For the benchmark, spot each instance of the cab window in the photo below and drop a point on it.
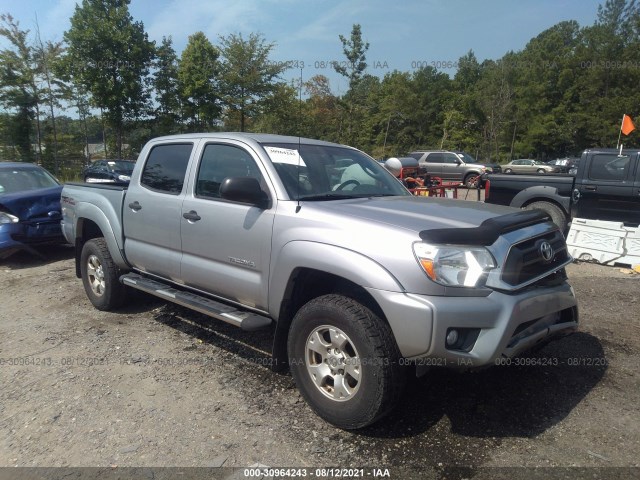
(220, 162)
(166, 167)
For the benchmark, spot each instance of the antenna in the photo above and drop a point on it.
(299, 141)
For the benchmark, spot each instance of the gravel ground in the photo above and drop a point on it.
(158, 385)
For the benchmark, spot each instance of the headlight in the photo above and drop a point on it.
(8, 218)
(453, 265)
(124, 178)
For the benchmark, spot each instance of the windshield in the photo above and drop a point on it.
(120, 166)
(21, 179)
(325, 172)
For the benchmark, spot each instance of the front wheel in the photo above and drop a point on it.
(100, 276)
(508, 170)
(345, 361)
(541, 170)
(472, 181)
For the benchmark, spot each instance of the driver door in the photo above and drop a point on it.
(226, 246)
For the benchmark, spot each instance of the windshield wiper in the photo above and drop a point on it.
(328, 196)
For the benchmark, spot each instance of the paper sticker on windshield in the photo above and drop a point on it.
(285, 155)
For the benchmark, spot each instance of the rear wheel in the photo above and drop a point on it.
(100, 276)
(555, 212)
(344, 361)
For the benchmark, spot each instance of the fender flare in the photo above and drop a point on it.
(111, 233)
(544, 193)
(339, 261)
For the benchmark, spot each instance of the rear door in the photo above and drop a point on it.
(433, 164)
(609, 189)
(527, 166)
(152, 211)
(226, 245)
(451, 169)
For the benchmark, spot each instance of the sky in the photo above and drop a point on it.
(403, 34)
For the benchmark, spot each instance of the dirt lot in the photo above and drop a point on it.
(158, 385)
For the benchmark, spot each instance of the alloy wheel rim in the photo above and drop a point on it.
(95, 274)
(333, 363)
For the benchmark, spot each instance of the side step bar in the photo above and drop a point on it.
(248, 321)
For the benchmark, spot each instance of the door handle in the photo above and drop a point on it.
(135, 206)
(192, 216)
(592, 188)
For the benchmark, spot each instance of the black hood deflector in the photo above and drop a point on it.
(487, 232)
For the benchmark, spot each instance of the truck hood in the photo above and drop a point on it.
(32, 204)
(413, 213)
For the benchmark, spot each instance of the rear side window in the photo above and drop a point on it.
(166, 167)
(434, 158)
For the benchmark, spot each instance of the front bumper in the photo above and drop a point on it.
(24, 235)
(496, 326)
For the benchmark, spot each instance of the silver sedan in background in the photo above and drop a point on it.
(526, 165)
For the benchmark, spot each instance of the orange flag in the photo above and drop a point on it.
(627, 125)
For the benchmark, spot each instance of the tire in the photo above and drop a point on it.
(100, 276)
(555, 212)
(541, 170)
(472, 181)
(334, 331)
(508, 170)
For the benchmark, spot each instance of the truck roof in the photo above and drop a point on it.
(257, 137)
(611, 150)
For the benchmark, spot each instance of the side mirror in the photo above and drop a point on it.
(244, 190)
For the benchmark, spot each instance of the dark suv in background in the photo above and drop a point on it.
(451, 166)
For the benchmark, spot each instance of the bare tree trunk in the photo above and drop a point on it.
(45, 69)
(104, 135)
(38, 133)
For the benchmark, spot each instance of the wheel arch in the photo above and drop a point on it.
(92, 223)
(327, 269)
(541, 193)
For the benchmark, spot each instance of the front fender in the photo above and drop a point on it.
(111, 231)
(348, 264)
(540, 192)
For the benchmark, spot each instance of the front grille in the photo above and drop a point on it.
(526, 263)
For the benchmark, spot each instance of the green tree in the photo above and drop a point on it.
(18, 86)
(352, 103)
(283, 113)
(434, 92)
(48, 55)
(322, 109)
(248, 76)
(109, 54)
(166, 86)
(198, 73)
(355, 50)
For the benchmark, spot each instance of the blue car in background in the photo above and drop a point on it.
(29, 208)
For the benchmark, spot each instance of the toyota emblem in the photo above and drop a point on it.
(546, 251)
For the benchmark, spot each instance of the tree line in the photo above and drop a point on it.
(106, 82)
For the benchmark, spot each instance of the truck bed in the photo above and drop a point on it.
(504, 187)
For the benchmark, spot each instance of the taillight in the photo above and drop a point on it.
(487, 187)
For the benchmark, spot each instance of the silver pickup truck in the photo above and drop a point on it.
(356, 277)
